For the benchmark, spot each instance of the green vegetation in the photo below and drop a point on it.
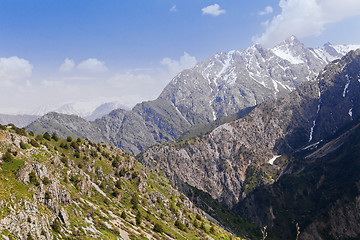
(125, 191)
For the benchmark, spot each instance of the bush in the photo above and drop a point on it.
(158, 228)
(2, 127)
(46, 181)
(123, 215)
(31, 133)
(34, 143)
(47, 136)
(69, 139)
(74, 145)
(22, 145)
(55, 136)
(47, 195)
(56, 225)
(138, 218)
(7, 156)
(180, 225)
(20, 131)
(39, 137)
(33, 179)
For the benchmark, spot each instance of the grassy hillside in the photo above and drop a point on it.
(53, 188)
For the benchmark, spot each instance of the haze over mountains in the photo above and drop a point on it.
(220, 86)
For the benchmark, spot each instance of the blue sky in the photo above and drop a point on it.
(128, 50)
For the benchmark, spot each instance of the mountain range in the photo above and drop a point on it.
(86, 110)
(290, 160)
(258, 137)
(218, 87)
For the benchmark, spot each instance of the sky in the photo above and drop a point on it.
(63, 51)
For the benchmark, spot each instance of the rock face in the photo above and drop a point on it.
(218, 162)
(220, 86)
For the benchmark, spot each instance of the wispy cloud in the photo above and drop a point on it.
(304, 18)
(213, 10)
(67, 65)
(267, 10)
(175, 66)
(14, 68)
(92, 65)
(173, 8)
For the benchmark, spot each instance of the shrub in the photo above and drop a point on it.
(158, 228)
(20, 131)
(2, 127)
(33, 179)
(123, 215)
(74, 145)
(47, 195)
(47, 136)
(118, 184)
(31, 133)
(56, 225)
(180, 225)
(46, 181)
(7, 156)
(138, 218)
(34, 143)
(55, 136)
(69, 139)
(39, 137)
(22, 145)
(116, 192)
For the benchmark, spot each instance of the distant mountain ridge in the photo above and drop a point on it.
(87, 110)
(220, 86)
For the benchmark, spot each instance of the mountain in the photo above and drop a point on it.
(90, 110)
(220, 86)
(319, 190)
(53, 188)
(20, 120)
(236, 157)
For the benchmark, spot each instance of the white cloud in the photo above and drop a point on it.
(213, 10)
(267, 10)
(304, 18)
(92, 65)
(186, 61)
(14, 68)
(67, 65)
(128, 79)
(173, 8)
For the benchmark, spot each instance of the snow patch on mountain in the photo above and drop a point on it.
(287, 55)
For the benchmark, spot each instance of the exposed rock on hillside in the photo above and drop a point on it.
(54, 188)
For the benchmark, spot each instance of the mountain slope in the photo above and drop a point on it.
(231, 160)
(53, 188)
(220, 86)
(319, 190)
